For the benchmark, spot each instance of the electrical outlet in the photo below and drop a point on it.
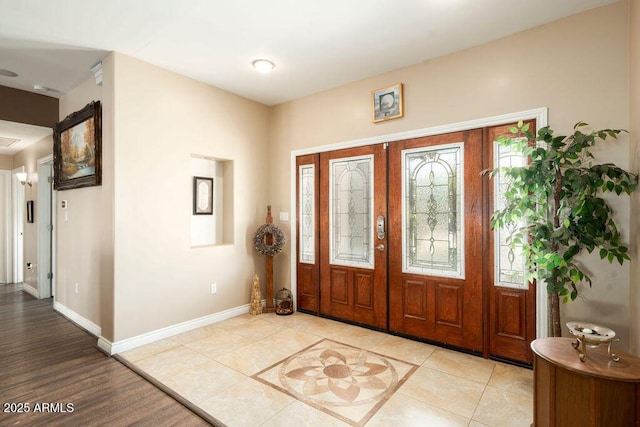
(76, 288)
(214, 288)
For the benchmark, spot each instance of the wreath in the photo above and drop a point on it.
(279, 240)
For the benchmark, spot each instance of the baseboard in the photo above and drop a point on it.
(83, 322)
(112, 348)
(31, 290)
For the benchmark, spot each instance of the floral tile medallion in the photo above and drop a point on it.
(346, 382)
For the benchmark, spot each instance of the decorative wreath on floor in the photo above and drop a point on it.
(279, 240)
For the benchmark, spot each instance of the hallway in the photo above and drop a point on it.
(53, 366)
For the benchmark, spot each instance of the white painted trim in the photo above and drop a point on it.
(133, 342)
(44, 194)
(30, 290)
(17, 197)
(8, 247)
(81, 321)
(539, 114)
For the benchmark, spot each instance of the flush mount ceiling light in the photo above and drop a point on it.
(263, 65)
(44, 89)
(7, 73)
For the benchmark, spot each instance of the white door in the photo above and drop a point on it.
(45, 227)
(5, 226)
(18, 227)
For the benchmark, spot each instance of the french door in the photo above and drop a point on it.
(396, 237)
(353, 253)
(435, 257)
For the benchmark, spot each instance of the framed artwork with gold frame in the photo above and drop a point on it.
(387, 103)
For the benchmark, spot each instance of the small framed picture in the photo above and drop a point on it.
(202, 195)
(387, 103)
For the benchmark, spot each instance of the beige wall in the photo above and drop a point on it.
(78, 237)
(577, 67)
(160, 120)
(6, 162)
(29, 159)
(634, 96)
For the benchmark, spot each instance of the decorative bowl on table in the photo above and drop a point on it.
(589, 334)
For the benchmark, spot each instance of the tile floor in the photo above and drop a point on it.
(270, 370)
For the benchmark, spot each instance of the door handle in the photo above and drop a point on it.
(380, 247)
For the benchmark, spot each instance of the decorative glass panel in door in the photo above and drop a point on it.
(433, 211)
(307, 209)
(353, 254)
(509, 261)
(350, 211)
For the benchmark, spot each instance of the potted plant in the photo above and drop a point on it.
(556, 205)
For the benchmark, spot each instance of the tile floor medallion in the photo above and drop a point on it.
(346, 382)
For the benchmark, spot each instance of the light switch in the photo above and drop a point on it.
(284, 216)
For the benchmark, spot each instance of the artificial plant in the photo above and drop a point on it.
(555, 205)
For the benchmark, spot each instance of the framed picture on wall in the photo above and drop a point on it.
(202, 195)
(387, 103)
(30, 211)
(77, 149)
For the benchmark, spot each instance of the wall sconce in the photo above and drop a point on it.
(22, 177)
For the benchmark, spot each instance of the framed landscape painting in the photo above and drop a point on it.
(77, 149)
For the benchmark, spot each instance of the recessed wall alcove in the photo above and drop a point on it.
(217, 228)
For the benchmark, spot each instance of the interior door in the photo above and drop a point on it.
(435, 249)
(353, 238)
(5, 217)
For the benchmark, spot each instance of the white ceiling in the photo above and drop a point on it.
(315, 44)
(25, 135)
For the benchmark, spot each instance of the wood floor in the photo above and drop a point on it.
(46, 359)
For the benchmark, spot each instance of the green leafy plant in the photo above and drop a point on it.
(555, 208)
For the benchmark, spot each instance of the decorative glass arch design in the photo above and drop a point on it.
(433, 210)
(351, 211)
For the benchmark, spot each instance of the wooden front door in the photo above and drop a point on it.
(435, 246)
(399, 238)
(353, 253)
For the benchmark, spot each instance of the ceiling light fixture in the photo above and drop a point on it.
(263, 65)
(7, 73)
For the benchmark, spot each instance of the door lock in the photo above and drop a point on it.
(380, 228)
(380, 247)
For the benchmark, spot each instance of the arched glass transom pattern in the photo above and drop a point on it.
(351, 207)
(433, 210)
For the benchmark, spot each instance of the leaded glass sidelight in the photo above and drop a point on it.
(307, 209)
(509, 261)
(350, 211)
(433, 210)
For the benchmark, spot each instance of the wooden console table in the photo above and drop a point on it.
(596, 392)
